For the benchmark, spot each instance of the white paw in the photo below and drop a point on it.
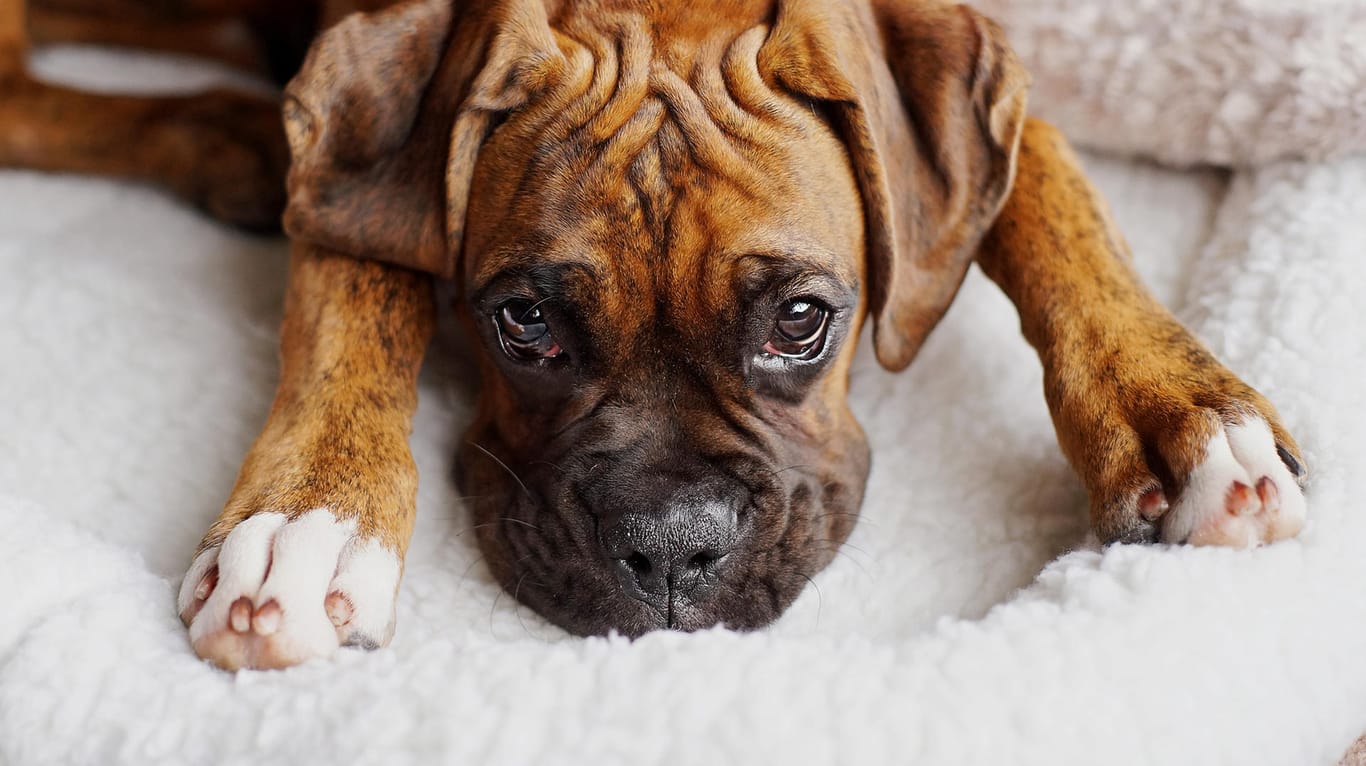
(1240, 495)
(278, 592)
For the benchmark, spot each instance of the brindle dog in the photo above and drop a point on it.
(667, 224)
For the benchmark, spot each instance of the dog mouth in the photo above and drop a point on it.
(688, 554)
(592, 597)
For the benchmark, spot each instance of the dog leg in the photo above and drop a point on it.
(1171, 445)
(165, 10)
(13, 40)
(262, 39)
(307, 554)
(228, 41)
(223, 151)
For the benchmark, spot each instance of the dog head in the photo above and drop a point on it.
(667, 228)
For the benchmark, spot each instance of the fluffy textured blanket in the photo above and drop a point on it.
(138, 347)
(1233, 82)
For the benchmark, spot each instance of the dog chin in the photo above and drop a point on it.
(634, 619)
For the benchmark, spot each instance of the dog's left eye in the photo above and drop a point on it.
(523, 332)
(799, 329)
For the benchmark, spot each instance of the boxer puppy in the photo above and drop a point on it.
(666, 231)
(666, 228)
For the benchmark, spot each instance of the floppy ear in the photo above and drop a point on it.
(931, 101)
(385, 119)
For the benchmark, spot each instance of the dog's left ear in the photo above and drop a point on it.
(931, 101)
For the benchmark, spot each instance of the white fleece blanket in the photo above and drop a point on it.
(137, 361)
(1233, 82)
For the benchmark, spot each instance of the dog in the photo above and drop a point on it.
(666, 225)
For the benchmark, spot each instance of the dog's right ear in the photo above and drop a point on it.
(386, 116)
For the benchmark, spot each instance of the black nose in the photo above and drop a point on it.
(676, 549)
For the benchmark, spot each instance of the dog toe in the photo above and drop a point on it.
(1242, 493)
(282, 591)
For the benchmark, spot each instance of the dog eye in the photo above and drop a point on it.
(799, 329)
(523, 332)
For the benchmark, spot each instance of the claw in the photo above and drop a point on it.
(339, 608)
(1269, 495)
(239, 615)
(267, 619)
(1241, 499)
(206, 584)
(1290, 461)
(1152, 505)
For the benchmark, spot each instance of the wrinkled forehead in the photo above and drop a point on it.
(652, 165)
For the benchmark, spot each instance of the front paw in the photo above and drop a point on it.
(279, 591)
(1204, 479)
(1241, 494)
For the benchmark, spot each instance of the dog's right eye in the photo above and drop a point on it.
(799, 330)
(523, 332)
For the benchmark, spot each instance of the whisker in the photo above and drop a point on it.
(523, 523)
(474, 527)
(466, 498)
(511, 473)
(820, 597)
(518, 603)
(466, 573)
(461, 513)
(782, 470)
(854, 547)
(862, 519)
(838, 551)
(547, 462)
(498, 521)
(494, 608)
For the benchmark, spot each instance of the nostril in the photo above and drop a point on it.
(639, 564)
(703, 559)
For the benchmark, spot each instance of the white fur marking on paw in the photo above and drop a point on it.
(243, 560)
(368, 576)
(305, 559)
(1255, 447)
(1225, 501)
(1205, 490)
(286, 570)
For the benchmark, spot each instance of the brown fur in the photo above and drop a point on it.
(13, 38)
(221, 151)
(1134, 396)
(351, 345)
(661, 172)
(218, 39)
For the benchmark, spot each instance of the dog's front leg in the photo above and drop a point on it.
(1171, 445)
(308, 552)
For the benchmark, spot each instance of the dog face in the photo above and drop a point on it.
(666, 319)
(667, 233)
